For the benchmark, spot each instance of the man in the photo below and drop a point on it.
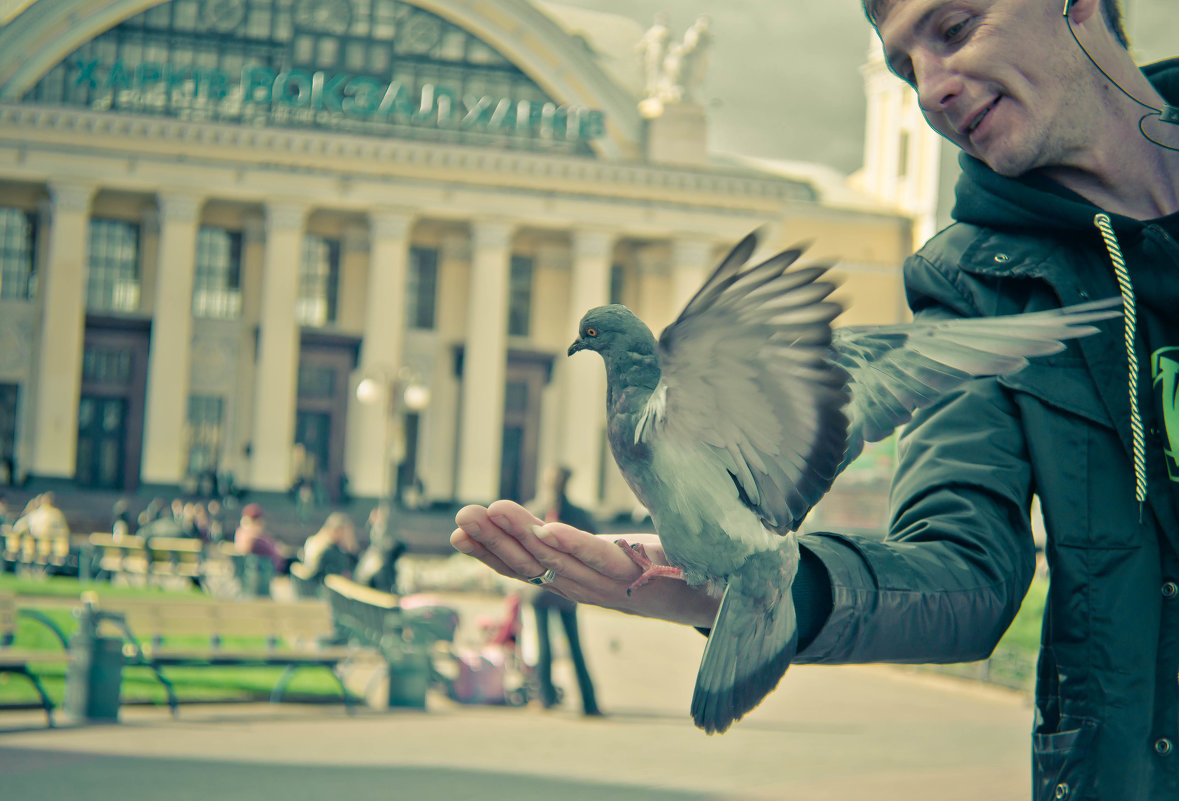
(554, 506)
(1070, 191)
(45, 522)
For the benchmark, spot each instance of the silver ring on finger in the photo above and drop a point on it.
(544, 578)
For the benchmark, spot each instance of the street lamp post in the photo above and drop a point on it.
(403, 392)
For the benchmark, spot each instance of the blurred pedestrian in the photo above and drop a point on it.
(332, 550)
(121, 518)
(252, 537)
(153, 511)
(553, 505)
(377, 567)
(46, 523)
(216, 521)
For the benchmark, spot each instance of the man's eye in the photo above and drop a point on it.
(954, 32)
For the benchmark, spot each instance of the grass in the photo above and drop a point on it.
(139, 684)
(1012, 664)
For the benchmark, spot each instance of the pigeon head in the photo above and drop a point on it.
(612, 329)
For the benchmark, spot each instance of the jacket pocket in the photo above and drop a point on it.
(1081, 468)
(1061, 763)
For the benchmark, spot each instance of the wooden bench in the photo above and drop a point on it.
(176, 557)
(291, 635)
(24, 551)
(120, 556)
(14, 659)
(148, 559)
(406, 637)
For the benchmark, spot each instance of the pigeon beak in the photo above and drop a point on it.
(578, 344)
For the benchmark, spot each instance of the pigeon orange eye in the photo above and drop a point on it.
(591, 332)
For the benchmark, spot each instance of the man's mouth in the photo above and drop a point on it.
(978, 118)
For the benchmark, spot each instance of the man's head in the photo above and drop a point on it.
(1003, 79)
(875, 9)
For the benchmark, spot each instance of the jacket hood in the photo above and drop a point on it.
(988, 199)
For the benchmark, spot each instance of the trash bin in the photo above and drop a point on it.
(409, 678)
(94, 675)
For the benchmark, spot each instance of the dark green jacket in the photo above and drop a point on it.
(959, 556)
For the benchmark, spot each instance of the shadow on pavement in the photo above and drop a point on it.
(44, 774)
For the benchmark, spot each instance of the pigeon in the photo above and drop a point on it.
(733, 424)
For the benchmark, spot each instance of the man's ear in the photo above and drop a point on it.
(1079, 11)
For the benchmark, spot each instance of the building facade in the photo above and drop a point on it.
(350, 241)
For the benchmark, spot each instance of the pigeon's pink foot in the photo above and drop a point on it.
(638, 555)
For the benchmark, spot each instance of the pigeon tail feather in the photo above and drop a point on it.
(752, 642)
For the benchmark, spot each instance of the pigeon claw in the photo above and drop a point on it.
(638, 555)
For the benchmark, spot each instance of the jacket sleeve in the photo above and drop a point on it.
(949, 577)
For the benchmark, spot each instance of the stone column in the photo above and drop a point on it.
(371, 440)
(277, 365)
(653, 299)
(582, 377)
(438, 468)
(169, 357)
(481, 416)
(63, 322)
(691, 263)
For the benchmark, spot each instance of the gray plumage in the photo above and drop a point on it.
(734, 424)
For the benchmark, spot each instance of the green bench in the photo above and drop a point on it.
(18, 660)
(291, 635)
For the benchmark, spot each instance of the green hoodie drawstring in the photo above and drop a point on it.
(1130, 318)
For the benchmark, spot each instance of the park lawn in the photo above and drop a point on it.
(1024, 633)
(139, 683)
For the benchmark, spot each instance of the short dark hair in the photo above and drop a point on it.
(1113, 16)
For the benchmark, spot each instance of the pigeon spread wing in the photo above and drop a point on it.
(746, 381)
(897, 369)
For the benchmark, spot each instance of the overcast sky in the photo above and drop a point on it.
(784, 75)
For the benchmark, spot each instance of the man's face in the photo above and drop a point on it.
(995, 77)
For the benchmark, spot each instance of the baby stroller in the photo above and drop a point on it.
(495, 672)
(434, 625)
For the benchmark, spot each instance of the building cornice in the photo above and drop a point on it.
(354, 157)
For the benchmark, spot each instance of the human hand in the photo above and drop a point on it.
(590, 568)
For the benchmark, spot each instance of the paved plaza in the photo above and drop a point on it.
(882, 733)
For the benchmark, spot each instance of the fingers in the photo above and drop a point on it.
(462, 542)
(598, 553)
(490, 538)
(504, 537)
(590, 568)
(575, 569)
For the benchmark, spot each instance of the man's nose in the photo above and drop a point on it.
(937, 83)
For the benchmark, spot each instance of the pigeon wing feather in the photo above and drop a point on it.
(895, 370)
(747, 383)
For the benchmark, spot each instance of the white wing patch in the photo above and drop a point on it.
(653, 415)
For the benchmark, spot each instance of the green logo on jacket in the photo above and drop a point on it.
(1164, 368)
